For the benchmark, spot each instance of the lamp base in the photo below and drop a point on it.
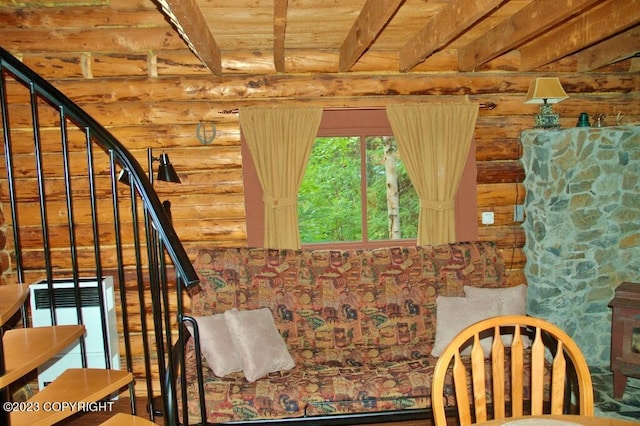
(547, 119)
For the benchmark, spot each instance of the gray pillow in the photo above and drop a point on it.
(513, 300)
(216, 344)
(454, 314)
(258, 343)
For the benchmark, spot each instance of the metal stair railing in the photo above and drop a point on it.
(64, 165)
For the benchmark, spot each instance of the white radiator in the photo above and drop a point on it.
(66, 314)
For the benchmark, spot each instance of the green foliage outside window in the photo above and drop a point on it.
(330, 201)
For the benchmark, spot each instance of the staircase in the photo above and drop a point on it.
(64, 214)
(77, 389)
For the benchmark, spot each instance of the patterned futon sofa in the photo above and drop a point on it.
(359, 324)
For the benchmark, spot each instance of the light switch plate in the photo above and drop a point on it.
(487, 218)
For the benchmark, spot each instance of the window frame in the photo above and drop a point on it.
(360, 122)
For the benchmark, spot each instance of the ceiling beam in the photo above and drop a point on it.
(597, 24)
(279, 31)
(615, 49)
(192, 27)
(452, 20)
(523, 26)
(373, 17)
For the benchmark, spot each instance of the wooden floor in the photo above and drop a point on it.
(123, 406)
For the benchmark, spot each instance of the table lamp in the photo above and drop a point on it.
(546, 91)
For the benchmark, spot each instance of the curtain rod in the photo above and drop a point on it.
(483, 105)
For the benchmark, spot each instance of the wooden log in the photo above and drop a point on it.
(219, 231)
(231, 233)
(169, 136)
(500, 194)
(499, 172)
(81, 39)
(505, 236)
(302, 89)
(488, 149)
(516, 277)
(514, 257)
(226, 165)
(67, 17)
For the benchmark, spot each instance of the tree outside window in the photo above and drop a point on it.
(356, 189)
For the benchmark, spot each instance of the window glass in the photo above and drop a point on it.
(392, 203)
(329, 207)
(356, 189)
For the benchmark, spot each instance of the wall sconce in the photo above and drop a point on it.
(166, 172)
(546, 91)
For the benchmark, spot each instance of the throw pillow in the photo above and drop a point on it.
(216, 344)
(258, 343)
(513, 300)
(454, 314)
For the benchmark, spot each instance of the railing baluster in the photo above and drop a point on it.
(72, 232)
(44, 222)
(120, 270)
(96, 247)
(158, 233)
(8, 158)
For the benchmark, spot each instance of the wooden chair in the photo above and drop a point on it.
(548, 344)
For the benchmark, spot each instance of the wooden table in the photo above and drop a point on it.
(581, 420)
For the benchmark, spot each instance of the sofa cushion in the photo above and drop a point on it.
(319, 390)
(258, 343)
(313, 390)
(346, 299)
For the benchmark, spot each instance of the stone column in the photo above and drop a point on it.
(582, 227)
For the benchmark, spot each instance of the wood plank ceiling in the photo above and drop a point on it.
(411, 35)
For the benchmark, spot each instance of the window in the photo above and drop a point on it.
(356, 189)
(343, 137)
(343, 197)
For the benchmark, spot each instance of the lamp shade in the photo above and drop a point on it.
(166, 172)
(123, 177)
(545, 90)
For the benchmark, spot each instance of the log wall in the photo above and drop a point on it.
(125, 65)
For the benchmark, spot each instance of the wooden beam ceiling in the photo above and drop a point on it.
(451, 21)
(618, 48)
(187, 17)
(523, 26)
(366, 35)
(372, 19)
(603, 21)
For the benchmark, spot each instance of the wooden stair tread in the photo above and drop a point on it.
(27, 348)
(124, 419)
(74, 385)
(12, 297)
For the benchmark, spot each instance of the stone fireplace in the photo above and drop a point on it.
(582, 227)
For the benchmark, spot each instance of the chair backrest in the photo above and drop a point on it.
(551, 351)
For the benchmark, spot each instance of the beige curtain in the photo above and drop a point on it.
(280, 142)
(434, 142)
